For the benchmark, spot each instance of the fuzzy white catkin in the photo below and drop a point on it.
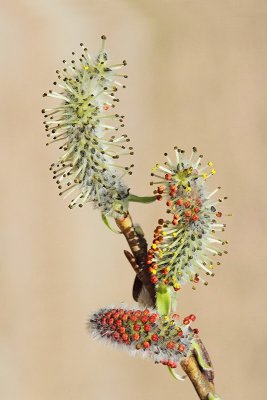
(84, 124)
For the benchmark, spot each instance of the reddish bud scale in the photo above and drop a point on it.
(163, 341)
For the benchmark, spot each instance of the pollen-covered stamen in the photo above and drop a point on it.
(185, 245)
(85, 125)
(145, 332)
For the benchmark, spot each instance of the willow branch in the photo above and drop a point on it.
(201, 378)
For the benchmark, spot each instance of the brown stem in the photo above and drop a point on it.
(201, 379)
(202, 385)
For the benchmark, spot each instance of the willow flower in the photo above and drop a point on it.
(144, 332)
(87, 129)
(187, 244)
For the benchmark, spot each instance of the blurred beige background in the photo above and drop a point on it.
(197, 76)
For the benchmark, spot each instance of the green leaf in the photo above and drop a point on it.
(213, 397)
(175, 375)
(163, 300)
(141, 199)
(200, 359)
(107, 223)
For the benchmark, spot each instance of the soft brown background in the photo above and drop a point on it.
(197, 76)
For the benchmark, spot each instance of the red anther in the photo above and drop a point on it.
(122, 329)
(164, 271)
(154, 279)
(146, 344)
(218, 214)
(195, 217)
(116, 315)
(133, 318)
(187, 204)
(138, 313)
(125, 317)
(136, 336)
(196, 279)
(166, 281)
(125, 337)
(174, 365)
(179, 202)
(149, 261)
(155, 265)
(164, 362)
(168, 203)
(146, 312)
(175, 216)
(170, 345)
(196, 209)
(119, 322)
(180, 333)
(192, 317)
(174, 222)
(175, 316)
(108, 315)
(181, 347)
(196, 331)
(116, 335)
(153, 318)
(121, 312)
(168, 177)
(159, 197)
(186, 321)
(154, 337)
(173, 188)
(161, 189)
(147, 328)
(106, 107)
(144, 319)
(136, 327)
(111, 321)
(188, 213)
(104, 321)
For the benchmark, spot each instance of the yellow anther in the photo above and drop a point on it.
(173, 278)
(205, 175)
(181, 240)
(166, 318)
(85, 67)
(168, 269)
(211, 266)
(188, 189)
(176, 286)
(153, 271)
(174, 234)
(210, 163)
(213, 171)
(154, 246)
(164, 233)
(172, 322)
